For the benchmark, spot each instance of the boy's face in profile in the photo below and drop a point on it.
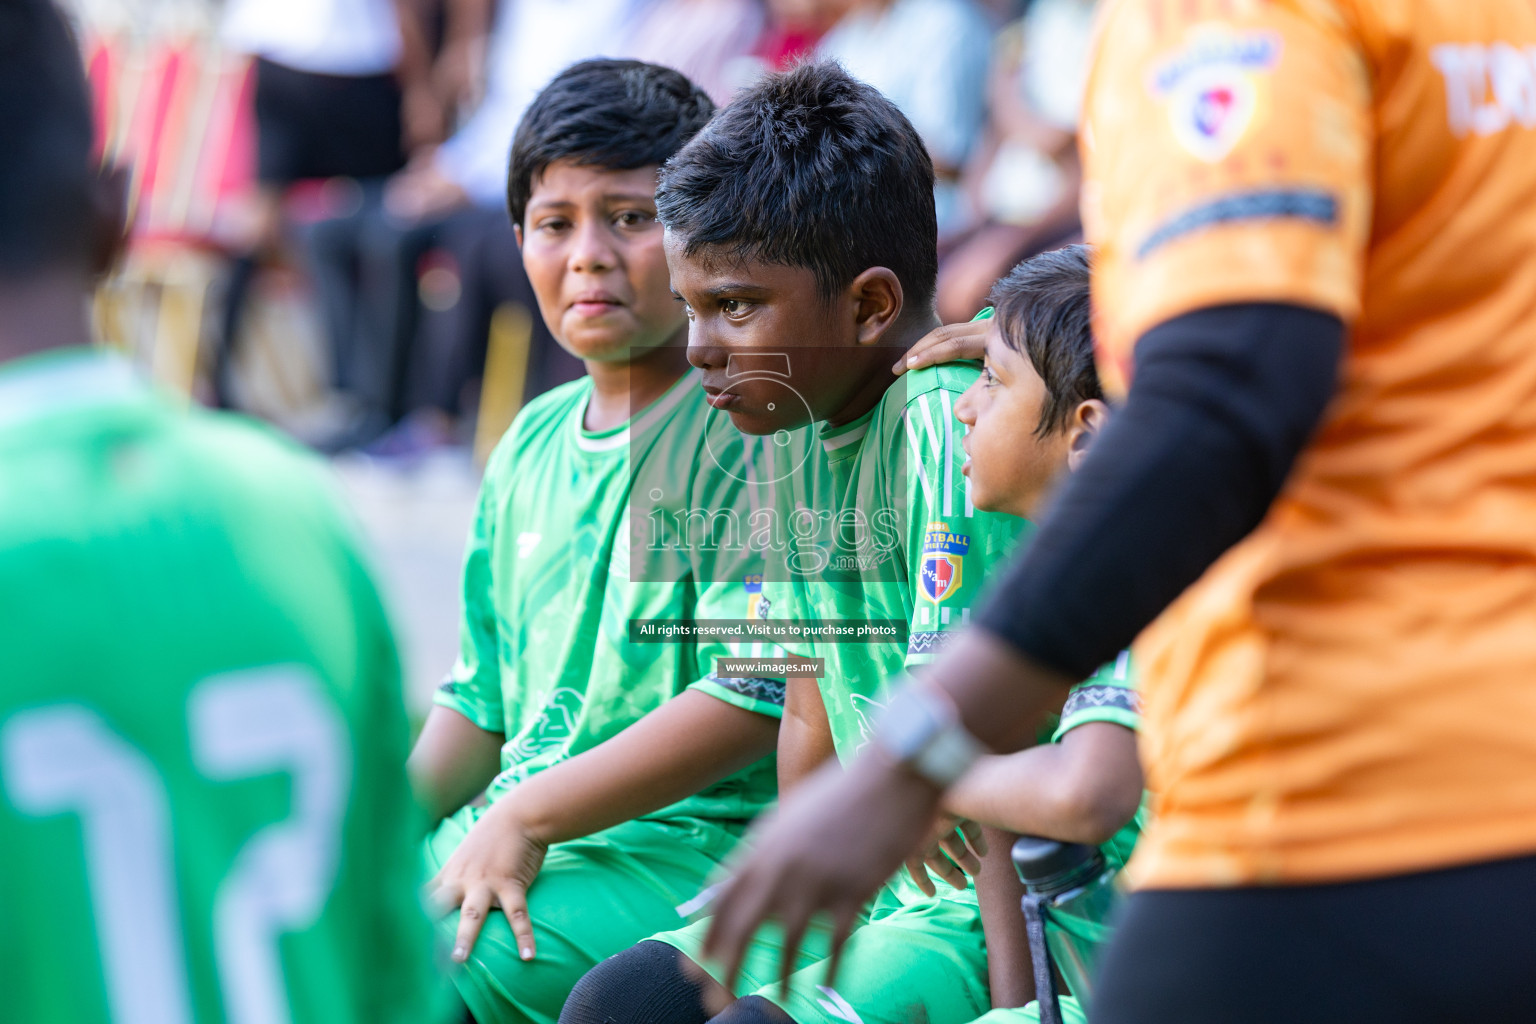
(593, 251)
(775, 354)
(1010, 466)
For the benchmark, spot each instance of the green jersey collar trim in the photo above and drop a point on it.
(618, 437)
(834, 438)
(52, 382)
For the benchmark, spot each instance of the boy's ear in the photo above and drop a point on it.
(1087, 420)
(877, 300)
(517, 233)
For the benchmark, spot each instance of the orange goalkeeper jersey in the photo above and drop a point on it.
(1351, 691)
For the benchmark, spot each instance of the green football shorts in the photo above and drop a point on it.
(594, 897)
(1071, 1013)
(917, 961)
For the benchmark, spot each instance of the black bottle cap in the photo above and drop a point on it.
(1046, 865)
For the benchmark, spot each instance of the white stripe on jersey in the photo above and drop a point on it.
(917, 457)
(837, 1007)
(930, 429)
(949, 447)
(832, 444)
(688, 908)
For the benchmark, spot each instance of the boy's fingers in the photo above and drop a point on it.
(741, 907)
(918, 354)
(975, 836)
(443, 897)
(946, 345)
(946, 869)
(917, 867)
(514, 904)
(939, 352)
(954, 845)
(925, 354)
(477, 903)
(796, 920)
(843, 917)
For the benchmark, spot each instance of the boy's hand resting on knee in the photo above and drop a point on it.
(692, 741)
(493, 867)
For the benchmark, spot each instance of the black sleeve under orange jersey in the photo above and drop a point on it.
(1225, 399)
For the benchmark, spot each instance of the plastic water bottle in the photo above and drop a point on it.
(1069, 901)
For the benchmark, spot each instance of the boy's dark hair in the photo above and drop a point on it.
(614, 114)
(47, 175)
(810, 168)
(1042, 312)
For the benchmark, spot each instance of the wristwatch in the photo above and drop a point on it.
(921, 730)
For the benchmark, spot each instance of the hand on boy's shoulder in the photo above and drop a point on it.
(948, 344)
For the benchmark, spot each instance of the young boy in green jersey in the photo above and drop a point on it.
(203, 809)
(920, 956)
(617, 773)
(1039, 382)
(800, 225)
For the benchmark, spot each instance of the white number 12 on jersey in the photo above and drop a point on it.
(65, 758)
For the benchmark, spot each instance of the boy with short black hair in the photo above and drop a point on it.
(203, 814)
(800, 223)
(618, 773)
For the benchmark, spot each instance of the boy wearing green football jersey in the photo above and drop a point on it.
(1038, 381)
(800, 224)
(617, 773)
(203, 809)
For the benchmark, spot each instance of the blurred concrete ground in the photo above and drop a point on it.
(415, 518)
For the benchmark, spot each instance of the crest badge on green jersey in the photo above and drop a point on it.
(757, 605)
(943, 560)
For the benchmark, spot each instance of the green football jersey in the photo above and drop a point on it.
(902, 541)
(918, 551)
(203, 804)
(579, 534)
(924, 559)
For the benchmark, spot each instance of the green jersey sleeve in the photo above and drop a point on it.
(1109, 695)
(951, 546)
(473, 686)
(737, 599)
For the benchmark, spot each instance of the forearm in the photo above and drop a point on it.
(999, 892)
(689, 743)
(1013, 791)
(452, 761)
(415, 64)
(466, 20)
(1081, 790)
(1224, 401)
(805, 737)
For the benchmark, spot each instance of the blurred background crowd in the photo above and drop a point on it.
(318, 190)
